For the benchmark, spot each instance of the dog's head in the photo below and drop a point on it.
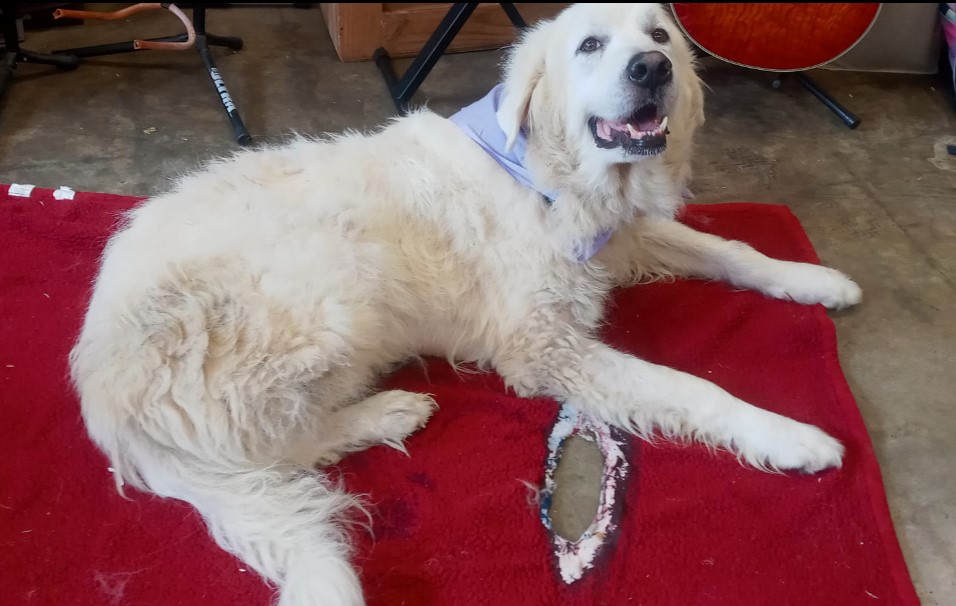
(607, 84)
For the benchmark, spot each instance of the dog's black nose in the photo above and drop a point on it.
(649, 70)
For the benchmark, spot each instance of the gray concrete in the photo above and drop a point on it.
(879, 202)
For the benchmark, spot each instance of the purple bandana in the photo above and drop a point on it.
(479, 121)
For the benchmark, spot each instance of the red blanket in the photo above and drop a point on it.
(456, 522)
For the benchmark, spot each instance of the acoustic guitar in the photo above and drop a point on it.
(779, 37)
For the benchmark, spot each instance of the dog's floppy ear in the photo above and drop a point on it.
(523, 72)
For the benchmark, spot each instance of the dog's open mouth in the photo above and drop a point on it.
(643, 133)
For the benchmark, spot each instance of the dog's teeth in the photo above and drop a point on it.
(632, 131)
(663, 126)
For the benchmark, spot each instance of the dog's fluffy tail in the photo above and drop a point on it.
(288, 523)
(285, 523)
(191, 398)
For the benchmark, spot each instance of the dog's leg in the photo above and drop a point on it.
(671, 248)
(385, 418)
(642, 398)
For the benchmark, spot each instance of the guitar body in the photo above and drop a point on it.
(779, 37)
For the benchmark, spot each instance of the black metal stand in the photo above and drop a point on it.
(13, 54)
(402, 89)
(848, 118)
(203, 41)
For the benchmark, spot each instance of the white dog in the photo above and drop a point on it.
(239, 323)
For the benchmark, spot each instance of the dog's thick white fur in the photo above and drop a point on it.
(239, 323)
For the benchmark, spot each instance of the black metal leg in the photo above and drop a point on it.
(113, 49)
(516, 19)
(6, 71)
(13, 54)
(239, 131)
(850, 119)
(199, 18)
(403, 89)
(11, 37)
(61, 61)
(203, 41)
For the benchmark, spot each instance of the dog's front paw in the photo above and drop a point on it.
(795, 446)
(809, 284)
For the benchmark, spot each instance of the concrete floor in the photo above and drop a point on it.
(878, 202)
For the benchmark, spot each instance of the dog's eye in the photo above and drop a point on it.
(660, 36)
(590, 45)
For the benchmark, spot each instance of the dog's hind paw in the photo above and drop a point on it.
(386, 418)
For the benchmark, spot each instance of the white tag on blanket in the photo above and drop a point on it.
(22, 191)
(64, 193)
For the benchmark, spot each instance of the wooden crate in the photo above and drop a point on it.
(357, 29)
